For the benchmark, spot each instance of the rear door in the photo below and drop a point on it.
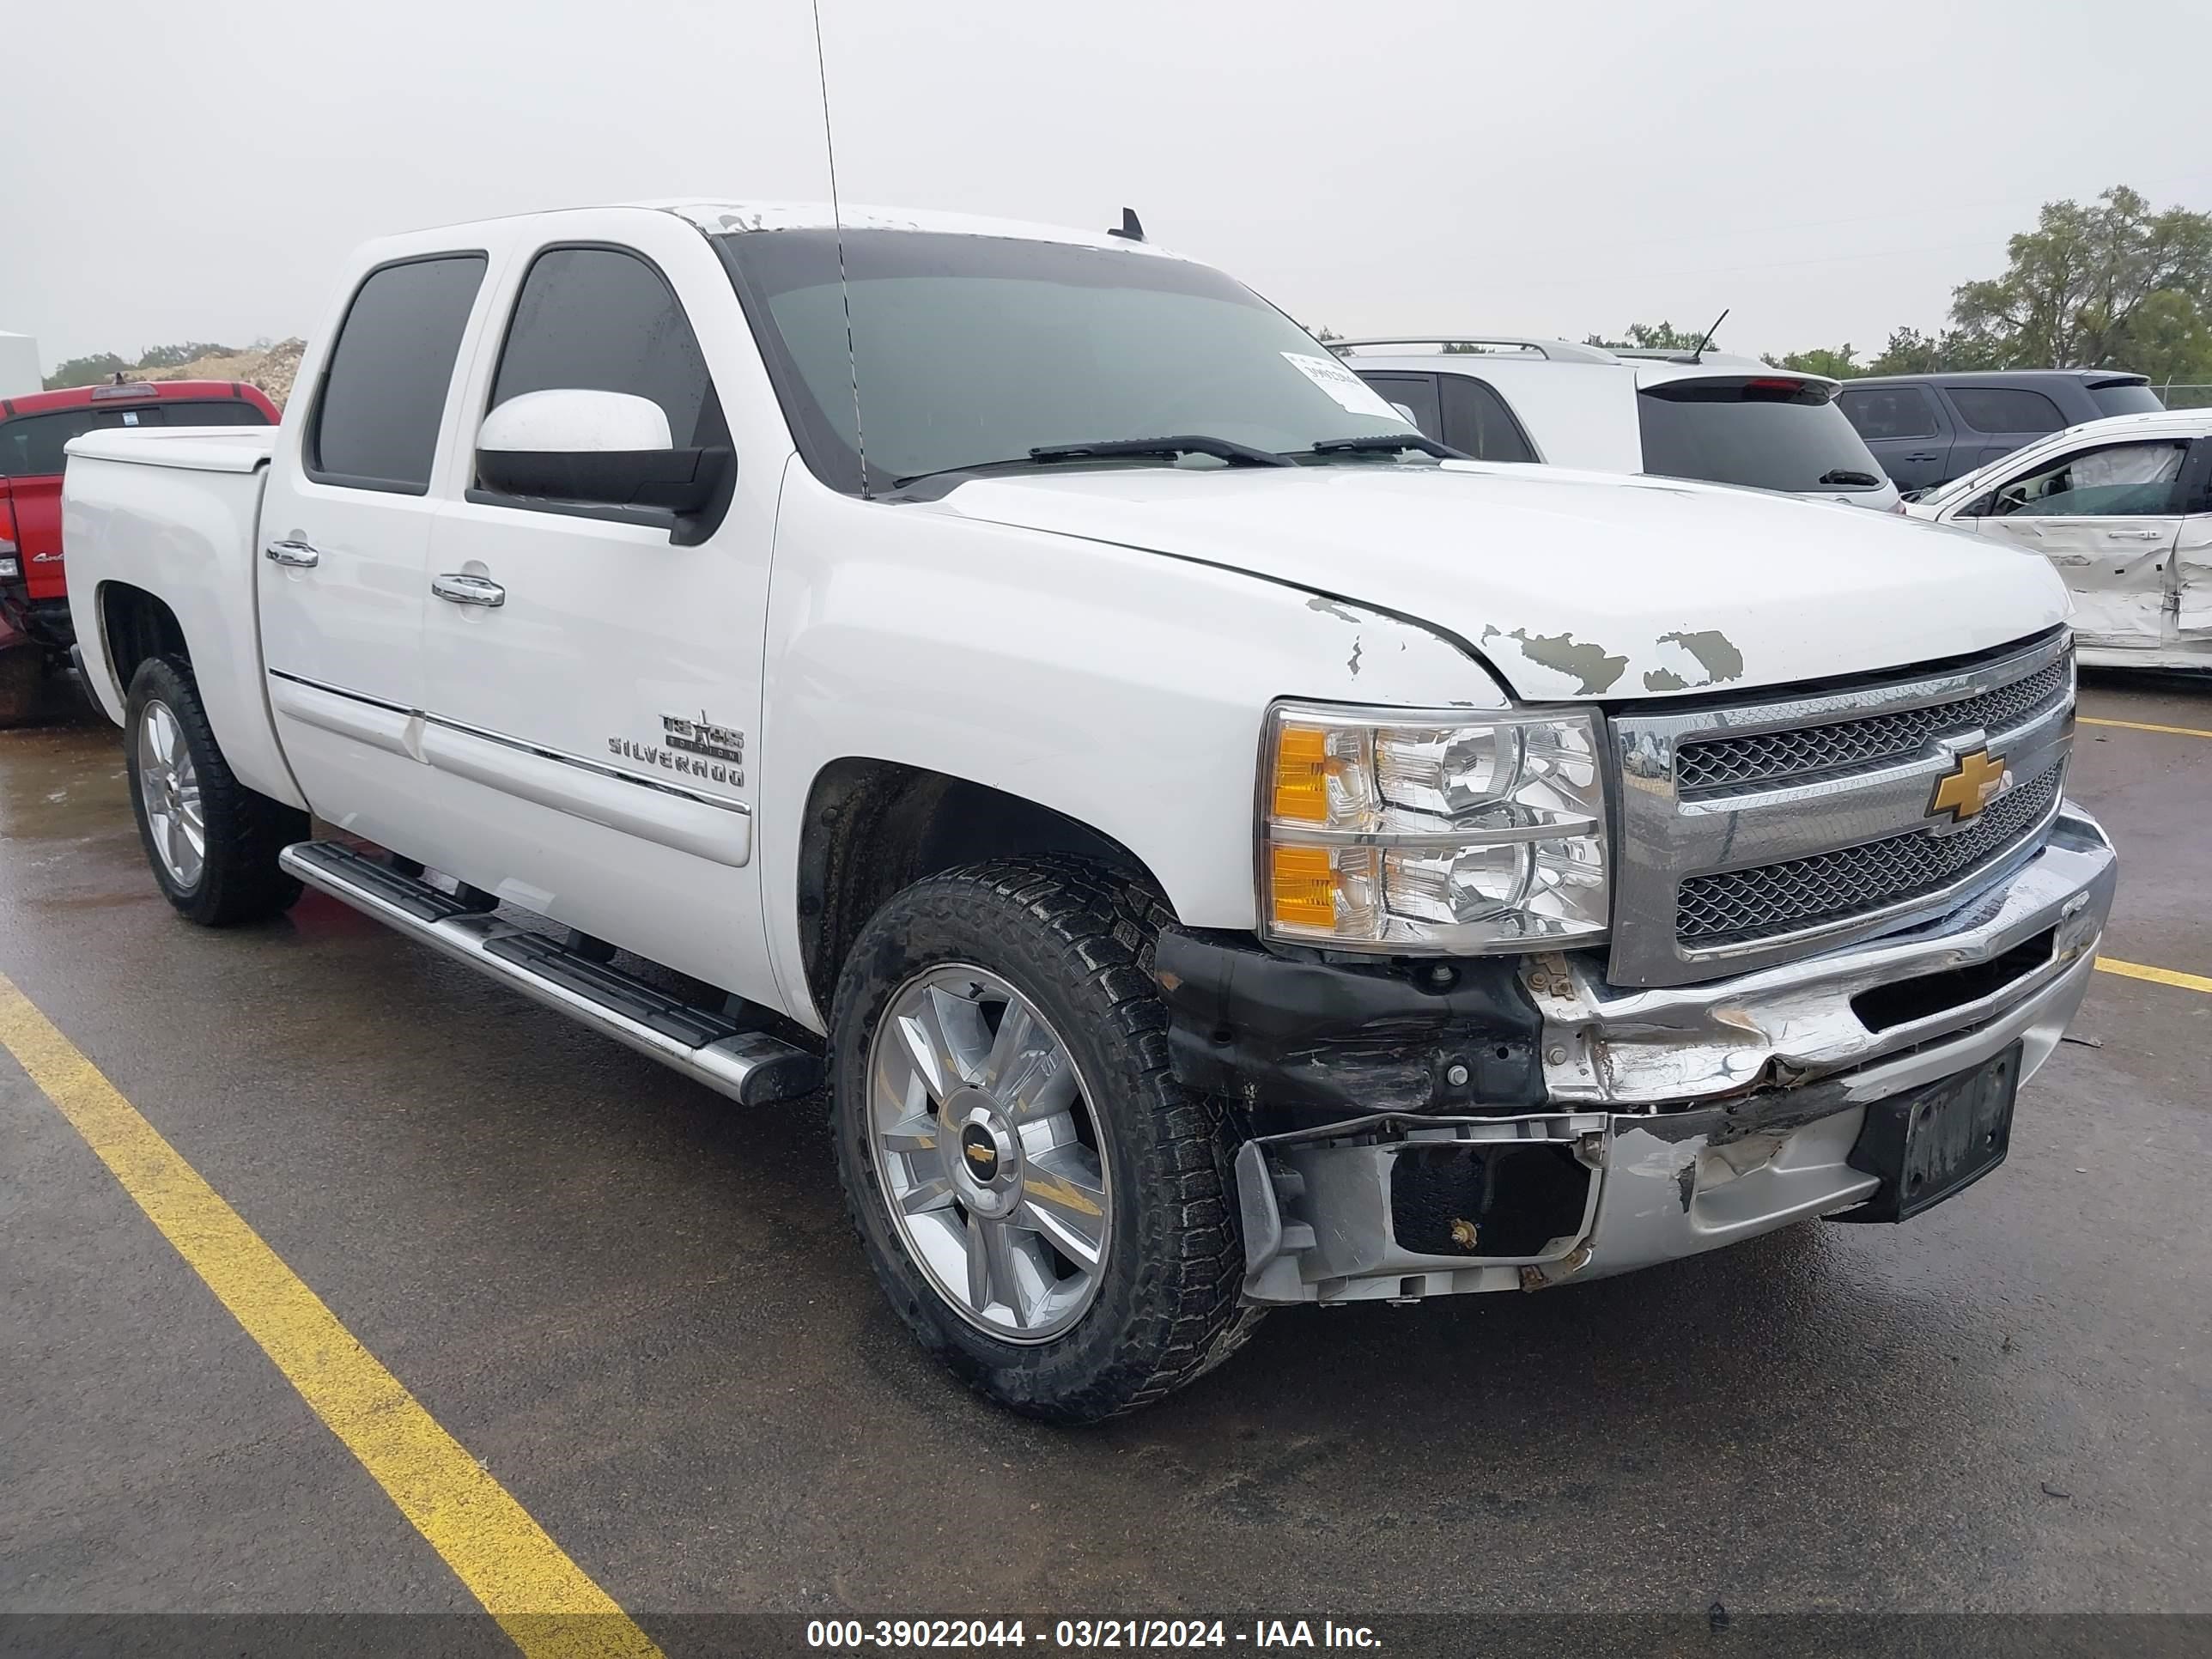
(2108, 517)
(1907, 431)
(2189, 579)
(345, 532)
(1997, 420)
(1765, 431)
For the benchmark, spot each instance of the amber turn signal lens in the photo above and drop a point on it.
(1302, 887)
(1302, 774)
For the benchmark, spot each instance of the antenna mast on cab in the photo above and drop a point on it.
(837, 228)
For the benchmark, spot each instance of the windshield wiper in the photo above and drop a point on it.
(1844, 475)
(1188, 443)
(1221, 449)
(1390, 443)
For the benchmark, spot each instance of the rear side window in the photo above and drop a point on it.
(384, 392)
(1898, 412)
(1771, 433)
(2005, 409)
(1476, 420)
(601, 319)
(1416, 396)
(32, 446)
(2124, 397)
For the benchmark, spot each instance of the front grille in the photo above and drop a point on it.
(1845, 746)
(1852, 881)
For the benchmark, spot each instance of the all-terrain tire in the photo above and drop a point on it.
(22, 682)
(239, 879)
(1076, 939)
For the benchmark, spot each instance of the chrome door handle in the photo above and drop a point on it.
(468, 590)
(296, 555)
(2135, 535)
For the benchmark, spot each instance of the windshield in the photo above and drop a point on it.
(970, 350)
(2124, 397)
(1771, 433)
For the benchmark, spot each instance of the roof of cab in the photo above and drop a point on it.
(725, 218)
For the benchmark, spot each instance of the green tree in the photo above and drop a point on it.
(176, 356)
(2094, 287)
(1652, 336)
(1836, 364)
(86, 371)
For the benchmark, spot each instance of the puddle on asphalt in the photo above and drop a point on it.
(63, 783)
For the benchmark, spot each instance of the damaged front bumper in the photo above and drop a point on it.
(1675, 1121)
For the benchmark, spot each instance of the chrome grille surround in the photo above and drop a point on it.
(1723, 879)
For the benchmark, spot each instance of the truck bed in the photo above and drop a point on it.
(176, 511)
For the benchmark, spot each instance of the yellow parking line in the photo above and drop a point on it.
(541, 1598)
(2140, 726)
(2157, 976)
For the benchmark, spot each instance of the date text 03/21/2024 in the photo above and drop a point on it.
(855, 1635)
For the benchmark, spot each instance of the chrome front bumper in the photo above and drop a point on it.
(1703, 1114)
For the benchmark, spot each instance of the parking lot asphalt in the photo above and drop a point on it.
(641, 1307)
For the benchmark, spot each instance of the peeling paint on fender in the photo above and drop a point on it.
(1596, 667)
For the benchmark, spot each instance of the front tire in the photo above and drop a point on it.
(212, 842)
(1047, 1209)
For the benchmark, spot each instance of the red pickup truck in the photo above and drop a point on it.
(34, 615)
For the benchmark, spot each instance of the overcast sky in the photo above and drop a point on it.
(196, 170)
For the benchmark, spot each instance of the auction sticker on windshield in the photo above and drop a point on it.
(1342, 384)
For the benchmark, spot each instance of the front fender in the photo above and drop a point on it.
(1123, 688)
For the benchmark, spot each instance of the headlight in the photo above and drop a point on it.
(1391, 829)
(10, 568)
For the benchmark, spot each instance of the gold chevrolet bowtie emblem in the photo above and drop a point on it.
(978, 1153)
(1969, 786)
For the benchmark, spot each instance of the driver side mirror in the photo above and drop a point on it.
(1977, 508)
(599, 448)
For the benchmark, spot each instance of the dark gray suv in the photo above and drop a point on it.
(1927, 429)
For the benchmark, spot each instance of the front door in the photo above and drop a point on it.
(345, 532)
(593, 673)
(2107, 516)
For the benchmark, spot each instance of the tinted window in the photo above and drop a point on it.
(1414, 394)
(2124, 397)
(384, 392)
(1898, 411)
(2117, 481)
(1769, 434)
(596, 319)
(30, 446)
(1476, 420)
(978, 348)
(2005, 409)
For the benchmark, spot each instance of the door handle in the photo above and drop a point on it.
(1923, 455)
(293, 555)
(468, 590)
(2135, 535)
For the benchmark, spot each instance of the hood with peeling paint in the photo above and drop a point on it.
(1573, 586)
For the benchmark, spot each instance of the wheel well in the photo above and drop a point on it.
(136, 626)
(875, 827)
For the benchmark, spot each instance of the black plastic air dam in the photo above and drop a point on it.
(1303, 1043)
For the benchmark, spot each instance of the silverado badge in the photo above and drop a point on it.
(1971, 784)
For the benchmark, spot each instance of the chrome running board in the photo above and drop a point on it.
(705, 1044)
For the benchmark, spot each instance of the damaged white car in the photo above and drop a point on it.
(2123, 509)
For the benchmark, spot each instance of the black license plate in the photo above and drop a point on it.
(1936, 1140)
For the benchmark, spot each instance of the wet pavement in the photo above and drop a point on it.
(641, 1307)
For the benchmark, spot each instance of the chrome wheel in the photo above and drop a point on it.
(170, 787)
(987, 1148)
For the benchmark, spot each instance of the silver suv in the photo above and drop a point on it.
(1725, 419)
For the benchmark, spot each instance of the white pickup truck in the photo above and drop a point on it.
(1219, 849)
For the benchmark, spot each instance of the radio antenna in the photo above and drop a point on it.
(1696, 357)
(837, 229)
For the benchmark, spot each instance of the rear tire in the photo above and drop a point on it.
(22, 682)
(212, 842)
(1112, 1185)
